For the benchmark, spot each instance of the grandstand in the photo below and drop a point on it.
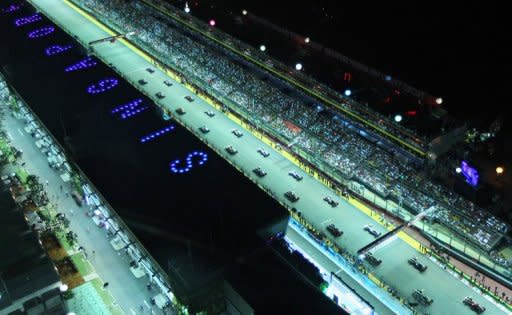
(334, 138)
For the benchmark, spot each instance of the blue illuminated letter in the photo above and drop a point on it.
(28, 19)
(40, 32)
(56, 49)
(83, 64)
(200, 156)
(102, 86)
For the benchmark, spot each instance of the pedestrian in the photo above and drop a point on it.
(60, 187)
(71, 211)
(47, 183)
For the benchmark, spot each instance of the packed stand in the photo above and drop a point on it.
(327, 136)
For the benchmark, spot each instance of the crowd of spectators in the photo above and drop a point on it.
(310, 127)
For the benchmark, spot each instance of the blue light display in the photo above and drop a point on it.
(56, 49)
(201, 156)
(127, 106)
(40, 32)
(130, 113)
(102, 86)
(157, 134)
(11, 8)
(27, 20)
(83, 64)
(470, 174)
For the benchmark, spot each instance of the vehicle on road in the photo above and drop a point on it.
(295, 175)
(372, 260)
(331, 228)
(290, 195)
(417, 265)
(204, 129)
(421, 297)
(237, 133)
(473, 305)
(330, 201)
(263, 152)
(258, 171)
(231, 150)
(369, 228)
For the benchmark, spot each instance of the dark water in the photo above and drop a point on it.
(212, 204)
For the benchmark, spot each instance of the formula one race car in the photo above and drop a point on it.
(416, 264)
(477, 308)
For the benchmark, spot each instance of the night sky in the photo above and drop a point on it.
(456, 51)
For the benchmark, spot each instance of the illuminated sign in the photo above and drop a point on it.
(157, 134)
(102, 86)
(83, 64)
(469, 173)
(11, 8)
(56, 49)
(200, 156)
(40, 32)
(128, 106)
(27, 20)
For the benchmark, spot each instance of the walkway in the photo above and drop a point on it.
(110, 265)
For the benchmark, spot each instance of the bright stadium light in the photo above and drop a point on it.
(244, 12)
(439, 101)
(398, 118)
(348, 92)
(500, 170)
(458, 170)
(187, 8)
(306, 40)
(212, 22)
(298, 66)
(263, 48)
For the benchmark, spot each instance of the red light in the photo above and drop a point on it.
(411, 113)
(347, 76)
(397, 92)
(212, 22)
(387, 100)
